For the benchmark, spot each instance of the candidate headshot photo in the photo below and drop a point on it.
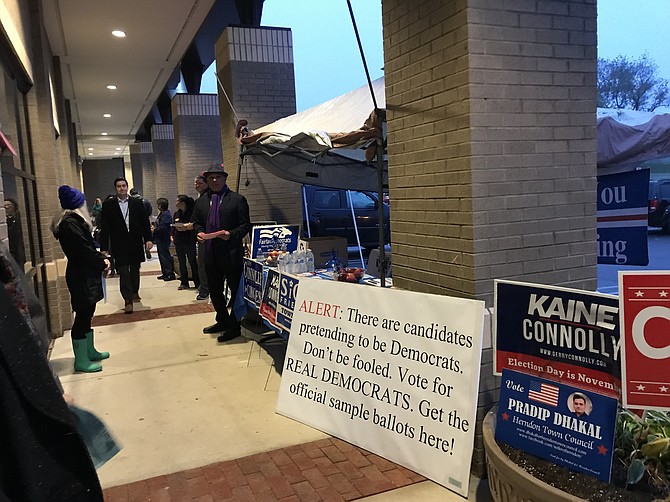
(580, 405)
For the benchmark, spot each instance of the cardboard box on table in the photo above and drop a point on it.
(323, 247)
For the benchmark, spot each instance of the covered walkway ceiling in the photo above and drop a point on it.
(164, 39)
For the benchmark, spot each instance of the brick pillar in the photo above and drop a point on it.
(197, 137)
(255, 67)
(162, 140)
(148, 171)
(136, 167)
(492, 152)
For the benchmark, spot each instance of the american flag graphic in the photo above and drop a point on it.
(543, 393)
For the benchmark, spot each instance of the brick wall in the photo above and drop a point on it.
(162, 141)
(136, 167)
(492, 153)
(532, 98)
(255, 66)
(197, 132)
(148, 170)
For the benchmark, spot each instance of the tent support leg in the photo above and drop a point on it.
(358, 237)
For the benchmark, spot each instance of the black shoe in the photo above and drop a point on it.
(182, 287)
(201, 297)
(160, 277)
(214, 328)
(169, 278)
(229, 334)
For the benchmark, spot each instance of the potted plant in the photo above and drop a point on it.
(640, 468)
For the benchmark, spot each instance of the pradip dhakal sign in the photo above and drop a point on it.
(561, 334)
(560, 423)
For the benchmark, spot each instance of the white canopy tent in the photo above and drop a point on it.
(330, 145)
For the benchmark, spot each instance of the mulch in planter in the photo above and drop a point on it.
(583, 486)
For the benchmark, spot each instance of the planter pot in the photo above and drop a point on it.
(509, 482)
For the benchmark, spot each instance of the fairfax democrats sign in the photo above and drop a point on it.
(622, 218)
(270, 237)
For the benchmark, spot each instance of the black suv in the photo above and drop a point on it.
(659, 203)
(330, 215)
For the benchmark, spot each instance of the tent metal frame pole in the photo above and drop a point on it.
(240, 159)
(358, 237)
(380, 211)
(304, 203)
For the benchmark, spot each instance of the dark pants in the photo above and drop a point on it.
(203, 290)
(82, 322)
(185, 251)
(217, 274)
(129, 280)
(165, 258)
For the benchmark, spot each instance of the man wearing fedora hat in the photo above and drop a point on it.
(225, 212)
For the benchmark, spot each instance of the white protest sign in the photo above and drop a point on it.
(394, 372)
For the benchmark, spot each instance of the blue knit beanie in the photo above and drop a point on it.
(70, 198)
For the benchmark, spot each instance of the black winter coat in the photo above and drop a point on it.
(234, 217)
(42, 458)
(126, 246)
(84, 263)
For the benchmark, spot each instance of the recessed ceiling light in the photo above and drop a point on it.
(103, 133)
(90, 149)
(118, 148)
(90, 153)
(111, 87)
(106, 115)
(119, 33)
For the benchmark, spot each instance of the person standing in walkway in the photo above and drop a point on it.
(162, 239)
(15, 231)
(221, 221)
(200, 185)
(42, 457)
(85, 264)
(125, 227)
(185, 241)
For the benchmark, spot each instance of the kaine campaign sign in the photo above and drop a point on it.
(270, 237)
(645, 313)
(561, 334)
(622, 218)
(558, 422)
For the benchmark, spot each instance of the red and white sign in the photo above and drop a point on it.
(644, 299)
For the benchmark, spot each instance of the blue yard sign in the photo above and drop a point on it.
(557, 422)
(253, 282)
(274, 237)
(288, 289)
(622, 218)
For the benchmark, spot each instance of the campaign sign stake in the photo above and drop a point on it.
(394, 372)
(557, 422)
(645, 307)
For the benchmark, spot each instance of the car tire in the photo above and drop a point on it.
(665, 225)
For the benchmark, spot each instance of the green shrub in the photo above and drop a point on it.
(643, 446)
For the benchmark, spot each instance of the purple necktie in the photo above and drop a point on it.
(213, 222)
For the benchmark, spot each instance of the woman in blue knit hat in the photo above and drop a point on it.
(85, 264)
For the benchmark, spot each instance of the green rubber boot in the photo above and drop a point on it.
(93, 354)
(81, 360)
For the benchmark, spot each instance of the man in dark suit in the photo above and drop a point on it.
(226, 213)
(124, 222)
